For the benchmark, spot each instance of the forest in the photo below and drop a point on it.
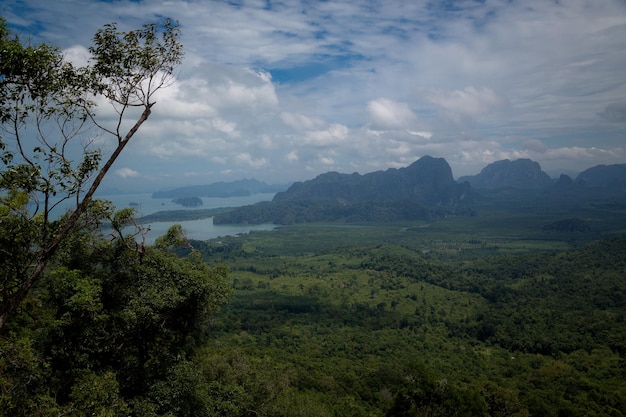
(416, 320)
(461, 316)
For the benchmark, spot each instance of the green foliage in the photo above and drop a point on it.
(47, 113)
(175, 237)
(110, 331)
(97, 395)
(396, 319)
(327, 320)
(123, 60)
(424, 395)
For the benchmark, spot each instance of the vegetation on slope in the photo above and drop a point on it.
(457, 317)
(364, 329)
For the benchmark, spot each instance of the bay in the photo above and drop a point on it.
(203, 229)
(144, 204)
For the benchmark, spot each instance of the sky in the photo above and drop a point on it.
(283, 91)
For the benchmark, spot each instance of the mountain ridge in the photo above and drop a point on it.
(426, 190)
(220, 189)
(520, 173)
(427, 181)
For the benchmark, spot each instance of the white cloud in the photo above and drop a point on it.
(425, 135)
(467, 102)
(127, 173)
(246, 158)
(331, 136)
(388, 114)
(326, 160)
(288, 91)
(301, 121)
(292, 156)
(230, 128)
(77, 55)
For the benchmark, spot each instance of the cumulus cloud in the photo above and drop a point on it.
(288, 91)
(230, 128)
(330, 136)
(535, 145)
(77, 55)
(423, 134)
(385, 114)
(292, 156)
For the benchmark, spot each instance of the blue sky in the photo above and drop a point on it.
(285, 90)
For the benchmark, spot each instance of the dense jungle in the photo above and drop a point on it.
(458, 317)
(492, 315)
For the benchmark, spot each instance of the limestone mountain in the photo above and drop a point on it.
(521, 173)
(428, 181)
(422, 191)
(607, 176)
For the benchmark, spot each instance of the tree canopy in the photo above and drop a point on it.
(49, 125)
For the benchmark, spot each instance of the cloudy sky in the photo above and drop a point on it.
(285, 90)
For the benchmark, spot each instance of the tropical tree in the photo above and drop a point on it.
(51, 137)
(112, 328)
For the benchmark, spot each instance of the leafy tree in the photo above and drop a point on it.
(424, 395)
(48, 115)
(112, 330)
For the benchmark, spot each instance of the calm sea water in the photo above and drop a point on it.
(145, 204)
(195, 229)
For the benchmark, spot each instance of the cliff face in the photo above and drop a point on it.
(607, 176)
(428, 181)
(521, 173)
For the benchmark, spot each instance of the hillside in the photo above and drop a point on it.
(522, 184)
(424, 190)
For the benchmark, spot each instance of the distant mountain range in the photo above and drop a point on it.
(239, 188)
(525, 174)
(426, 190)
(522, 173)
(427, 181)
(611, 176)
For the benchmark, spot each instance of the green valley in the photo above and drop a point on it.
(456, 317)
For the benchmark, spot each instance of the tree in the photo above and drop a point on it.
(112, 329)
(48, 113)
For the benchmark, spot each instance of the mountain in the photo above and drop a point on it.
(607, 176)
(427, 181)
(424, 190)
(521, 174)
(220, 189)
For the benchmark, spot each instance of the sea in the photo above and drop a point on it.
(203, 229)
